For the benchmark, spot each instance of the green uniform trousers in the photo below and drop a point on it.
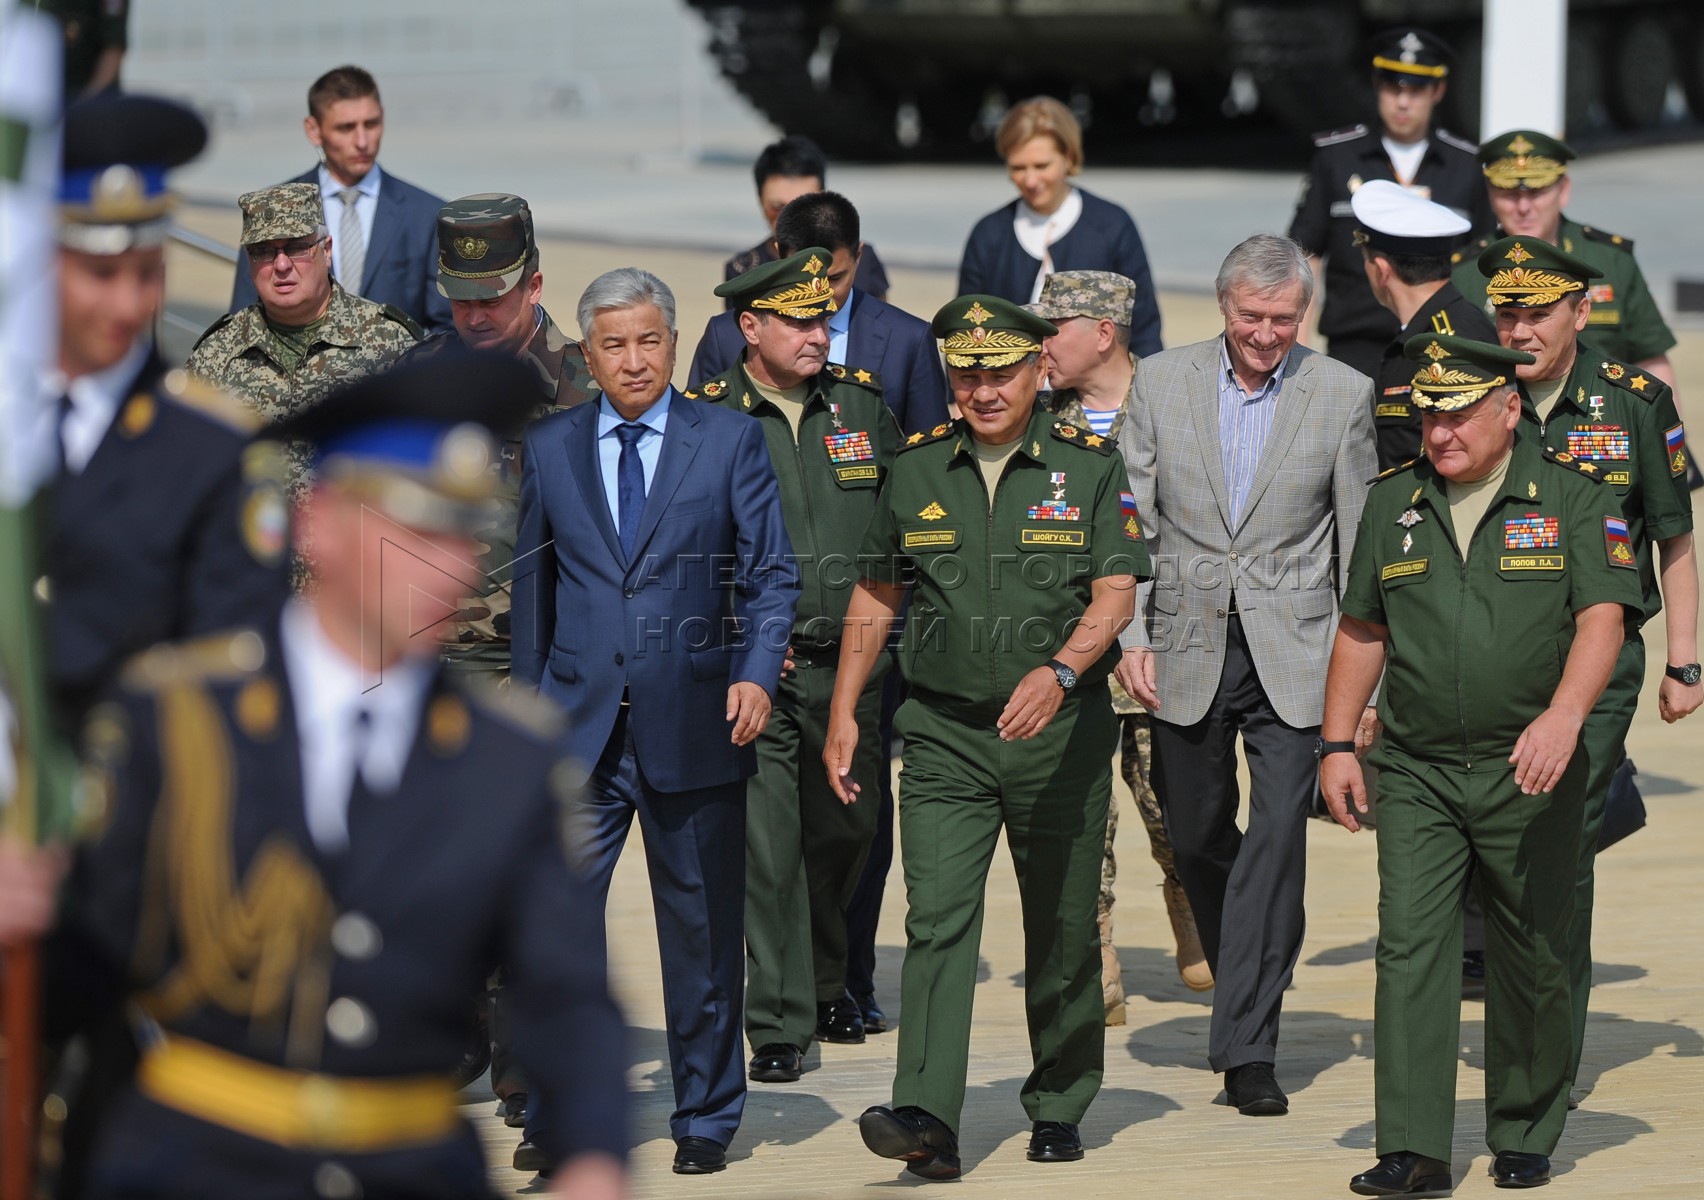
(959, 785)
(804, 852)
(1432, 822)
(1603, 740)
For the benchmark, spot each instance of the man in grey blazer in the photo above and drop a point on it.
(1250, 456)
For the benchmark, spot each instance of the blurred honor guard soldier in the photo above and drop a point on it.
(831, 440)
(1406, 243)
(163, 525)
(1479, 762)
(288, 880)
(1618, 422)
(384, 248)
(653, 599)
(1022, 551)
(1091, 370)
(1254, 455)
(1527, 174)
(1410, 70)
(96, 35)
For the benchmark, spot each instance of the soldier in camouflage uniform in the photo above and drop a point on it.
(1091, 371)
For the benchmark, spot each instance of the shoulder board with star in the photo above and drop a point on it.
(393, 313)
(1076, 435)
(1469, 252)
(1607, 238)
(216, 327)
(858, 375)
(1578, 465)
(1396, 470)
(216, 658)
(1450, 139)
(1632, 379)
(1336, 136)
(522, 708)
(211, 402)
(944, 429)
(713, 390)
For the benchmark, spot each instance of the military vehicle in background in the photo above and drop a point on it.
(928, 79)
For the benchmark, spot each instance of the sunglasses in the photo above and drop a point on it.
(300, 249)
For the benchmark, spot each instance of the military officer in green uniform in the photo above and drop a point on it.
(1489, 587)
(1618, 420)
(1527, 174)
(1021, 551)
(832, 441)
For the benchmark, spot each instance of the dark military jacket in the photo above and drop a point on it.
(1476, 649)
(830, 480)
(202, 898)
(175, 527)
(1396, 422)
(1324, 224)
(995, 593)
(1624, 323)
(479, 636)
(1621, 425)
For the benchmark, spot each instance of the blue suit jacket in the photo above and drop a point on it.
(402, 254)
(706, 602)
(884, 339)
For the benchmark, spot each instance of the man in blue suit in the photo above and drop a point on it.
(384, 231)
(865, 333)
(653, 599)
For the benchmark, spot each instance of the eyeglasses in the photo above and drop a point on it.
(301, 249)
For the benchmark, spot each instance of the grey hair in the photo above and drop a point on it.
(624, 287)
(1266, 263)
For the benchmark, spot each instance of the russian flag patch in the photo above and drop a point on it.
(1675, 440)
(1127, 510)
(1617, 543)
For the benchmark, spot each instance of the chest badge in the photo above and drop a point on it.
(1532, 532)
(1407, 542)
(1410, 518)
(1600, 441)
(934, 512)
(1596, 405)
(847, 446)
(1055, 509)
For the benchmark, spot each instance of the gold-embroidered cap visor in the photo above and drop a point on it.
(1457, 372)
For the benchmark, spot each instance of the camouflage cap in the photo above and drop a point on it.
(1458, 372)
(290, 210)
(1528, 272)
(1524, 158)
(485, 244)
(986, 331)
(795, 286)
(1098, 295)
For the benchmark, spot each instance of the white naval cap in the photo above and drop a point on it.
(1391, 218)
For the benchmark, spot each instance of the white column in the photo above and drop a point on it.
(1526, 58)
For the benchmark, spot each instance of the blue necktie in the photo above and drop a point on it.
(629, 485)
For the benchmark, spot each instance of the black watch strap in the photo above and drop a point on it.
(1688, 674)
(1323, 747)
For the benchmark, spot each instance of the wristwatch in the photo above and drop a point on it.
(1066, 677)
(1688, 674)
(1323, 747)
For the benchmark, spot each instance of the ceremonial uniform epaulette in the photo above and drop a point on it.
(1078, 436)
(210, 401)
(1631, 379)
(520, 708)
(1450, 139)
(1400, 467)
(1335, 136)
(1607, 238)
(857, 375)
(1469, 252)
(1564, 459)
(392, 312)
(215, 658)
(940, 431)
(215, 328)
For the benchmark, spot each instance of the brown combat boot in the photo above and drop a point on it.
(1112, 979)
(1192, 965)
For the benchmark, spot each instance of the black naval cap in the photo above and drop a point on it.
(1411, 56)
(419, 441)
(1457, 372)
(117, 150)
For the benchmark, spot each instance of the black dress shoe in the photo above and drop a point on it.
(919, 1139)
(1054, 1141)
(875, 1020)
(1404, 1173)
(1515, 1169)
(840, 1022)
(1253, 1091)
(777, 1063)
(530, 1157)
(698, 1156)
(513, 1109)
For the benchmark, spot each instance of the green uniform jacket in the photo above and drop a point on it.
(830, 481)
(1625, 322)
(1476, 649)
(996, 593)
(1620, 424)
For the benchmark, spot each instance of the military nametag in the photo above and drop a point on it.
(1531, 562)
(1401, 570)
(1127, 513)
(847, 474)
(848, 447)
(1600, 441)
(1675, 441)
(1076, 538)
(917, 539)
(1531, 532)
(1618, 544)
(1618, 478)
(1391, 410)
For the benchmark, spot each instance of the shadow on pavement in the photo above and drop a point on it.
(1152, 974)
(1309, 1044)
(1344, 956)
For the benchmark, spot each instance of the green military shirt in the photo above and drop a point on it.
(996, 591)
(1476, 648)
(830, 480)
(1624, 322)
(1621, 423)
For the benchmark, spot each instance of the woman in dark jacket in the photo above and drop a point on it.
(1054, 225)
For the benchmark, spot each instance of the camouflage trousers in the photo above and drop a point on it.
(1136, 755)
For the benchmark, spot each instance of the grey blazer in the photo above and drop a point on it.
(1287, 557)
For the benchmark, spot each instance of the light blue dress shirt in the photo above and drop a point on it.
(366, 205)
(1245, 418)
(655, 420)
(839, 323)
